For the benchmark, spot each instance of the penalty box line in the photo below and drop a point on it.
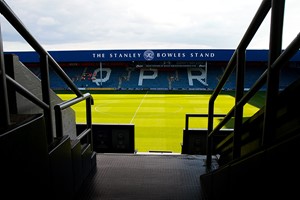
(138, 107)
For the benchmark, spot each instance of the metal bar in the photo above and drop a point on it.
(256, 22)
(60, 107)
(209, 130)
(4, 106)
(71, 102)
(238, 120)
(84, 133)
(186, 122)
(248, 36)
(89, 120)
(196, 115)
(254, 89)
(64, 76)
(20, 27)
(254, 26)
(275, 47)
(45, 81)
(229, 68)
(187, 116)
(58, 121)
(46, 58)
(211, 103)
(222, 123)
(286, 55)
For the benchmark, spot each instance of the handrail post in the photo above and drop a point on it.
(210, 125)
(89, 120)
(186, 122)
(4, 108)
(252, 29)
(58, 121)
(238, 121)
(58, 108)
(209, 130)
(44, 67)
(275, 46)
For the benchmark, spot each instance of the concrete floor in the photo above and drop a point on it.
(145, 176)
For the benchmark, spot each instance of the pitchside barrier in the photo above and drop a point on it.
(195, 140)
(111, 138)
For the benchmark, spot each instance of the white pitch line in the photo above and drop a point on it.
(138, 107)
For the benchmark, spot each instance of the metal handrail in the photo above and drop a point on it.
(4, 105)
(239, 58)
(275, 65)
(12, 18)
(188, 116)
(64, 105)
(286, 55)
(46, 60)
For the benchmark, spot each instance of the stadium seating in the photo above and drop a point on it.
(157, 79)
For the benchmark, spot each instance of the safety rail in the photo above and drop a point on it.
(188, 116)
(277, 59)
(46, 60)
(64, 105)
(4, 106)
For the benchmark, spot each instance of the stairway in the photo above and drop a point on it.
(262, 171)
(30, 166)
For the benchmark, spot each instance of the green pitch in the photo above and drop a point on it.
(159, 119)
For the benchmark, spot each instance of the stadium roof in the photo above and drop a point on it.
(146, 55)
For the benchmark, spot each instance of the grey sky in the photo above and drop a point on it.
(140, 24)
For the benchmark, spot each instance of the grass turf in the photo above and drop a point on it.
(159, 119)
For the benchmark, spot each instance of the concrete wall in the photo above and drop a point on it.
(31, 82)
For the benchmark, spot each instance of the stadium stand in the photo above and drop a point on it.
(44, 156)
(164, 72)
(129, 78)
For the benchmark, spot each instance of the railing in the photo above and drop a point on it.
(46, 60)
(188, 116)
(64, 105)
(277, 59)
(4, 108)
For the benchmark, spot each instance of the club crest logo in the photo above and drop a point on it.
(149, 55)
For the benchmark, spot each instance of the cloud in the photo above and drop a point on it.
(129, 24)
(46, 21)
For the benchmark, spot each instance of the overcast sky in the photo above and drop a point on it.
(141, 24)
